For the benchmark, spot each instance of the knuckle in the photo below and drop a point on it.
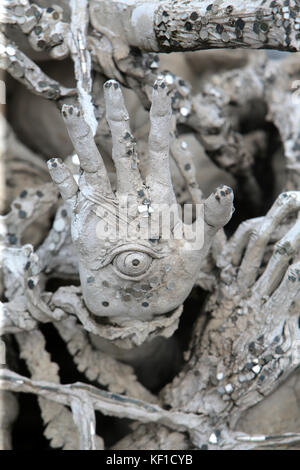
(293, 273)
(283, 248)
(255, 235)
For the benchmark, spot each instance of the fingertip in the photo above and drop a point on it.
(223, 194)
(219, 206)
(160, 86)
(57, 169)
(111, 84)
(62, 177)
(114, 100)
(161, 101)
(54, 163)
(112, 90)
(69, 111)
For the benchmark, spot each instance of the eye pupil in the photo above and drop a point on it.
(132, 263)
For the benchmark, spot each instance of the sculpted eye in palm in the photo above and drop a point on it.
(128, 266)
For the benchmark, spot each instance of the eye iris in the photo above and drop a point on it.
(132, 263)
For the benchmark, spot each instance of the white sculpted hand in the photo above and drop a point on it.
(128, 268)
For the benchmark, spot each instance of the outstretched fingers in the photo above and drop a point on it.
(63, 178)
(158, 174)
(284, 205)
(239, 240)
(123, 144)
(83, 141)
(284, 250)
(286, 293)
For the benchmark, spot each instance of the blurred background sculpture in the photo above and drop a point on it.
(118, 340)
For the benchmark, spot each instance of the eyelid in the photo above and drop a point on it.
(128, 247)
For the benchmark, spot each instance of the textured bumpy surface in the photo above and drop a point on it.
(176, 25)
(190, 25)
(252, 339)
(129, 267)
(92, 286)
